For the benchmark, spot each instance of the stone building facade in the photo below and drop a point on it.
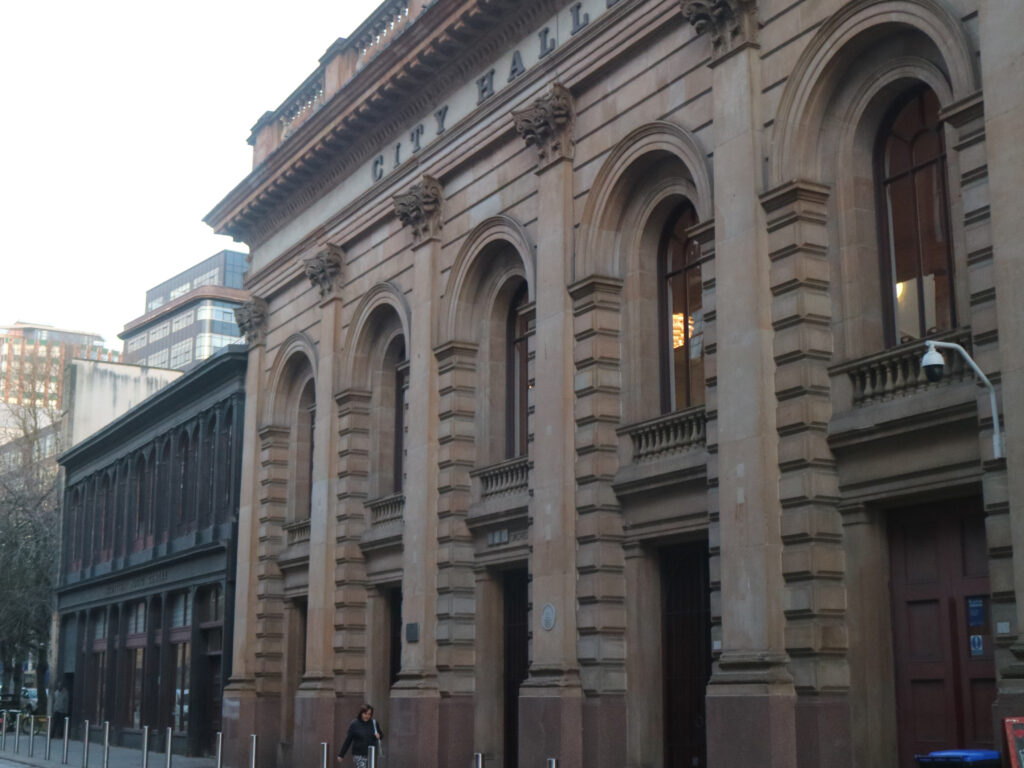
(149, 525)
(585, 416)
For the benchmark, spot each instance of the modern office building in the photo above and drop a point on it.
(147, 561)
(584, 414)
(33, 358)
(190, 316)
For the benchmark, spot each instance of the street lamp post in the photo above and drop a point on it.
(933, 363)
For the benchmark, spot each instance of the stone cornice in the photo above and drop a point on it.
(420, 209)
(450, 42)
(730, 23)
(548, 124)
(251, 319)
(324, 269)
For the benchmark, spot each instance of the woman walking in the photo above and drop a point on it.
(363, 733)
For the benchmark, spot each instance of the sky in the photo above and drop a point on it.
(122, 125)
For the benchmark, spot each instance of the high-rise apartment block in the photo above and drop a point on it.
(32, 359)
(189, 316)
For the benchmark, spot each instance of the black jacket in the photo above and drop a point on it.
(360, 737)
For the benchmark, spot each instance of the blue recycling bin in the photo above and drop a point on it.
(978, 758)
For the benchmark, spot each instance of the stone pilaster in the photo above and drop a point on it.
(750, 682)
(245, 708)
(813, 558)
(1001, 54)
(415, 697)
(350, 599)
(456, 581)
(550, 701)
(600, 565)
(314, 705)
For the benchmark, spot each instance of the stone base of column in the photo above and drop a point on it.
(751, 712)
(455, 731)
(823, 731)
(314, 721)
(604, 733)
(551, 720)
(245, 713)
(415, 721)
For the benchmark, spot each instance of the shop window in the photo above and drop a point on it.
(917, 263)
(681, 327)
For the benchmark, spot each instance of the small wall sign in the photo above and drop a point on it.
(547, 617)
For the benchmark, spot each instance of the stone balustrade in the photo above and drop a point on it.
(386, 508)
(671, 433)
(296, 532)
(510, 476)
(897, 372)
(306, 100)
(374, 34)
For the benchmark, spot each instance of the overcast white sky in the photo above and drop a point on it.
(123, 123)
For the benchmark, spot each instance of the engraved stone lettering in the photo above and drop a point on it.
(517, 67)
(485, 87)
(440, 115)
(415, 136)
(378, 168)
(578, 22)
(546, 45)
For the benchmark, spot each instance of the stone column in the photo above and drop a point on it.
(456, 596)
(415, 697)
(315, 700)
(644, 735)
(750, 682)
(242, 713)
(550, 703)
(488, 722)
(1002, 51)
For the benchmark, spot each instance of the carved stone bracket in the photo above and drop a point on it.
(420, 209)
(324, 269)
(251, 319)
(731, 23)
(548, 123)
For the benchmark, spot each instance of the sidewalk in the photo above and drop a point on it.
(120, 757)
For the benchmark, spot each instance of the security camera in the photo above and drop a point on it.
(933, 363)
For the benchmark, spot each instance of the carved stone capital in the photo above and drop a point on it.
(731, 23)
(324, 268)
(548, 124)
(251, 319)
(420, 208)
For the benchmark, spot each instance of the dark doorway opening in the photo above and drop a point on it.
(686, 652)
(942, 642)
(394, 598)
(516, 636)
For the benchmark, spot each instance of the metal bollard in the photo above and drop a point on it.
(372, 763)
(145, 746)
(478, 760)
(220, 749)
(3, 731)
(552, 762)
(323, 754)
(106, 744)
(17, 734)
(168, 745)
(31, 735)
(252, 752)
(85, 746)
(49, 734)
(67, 735)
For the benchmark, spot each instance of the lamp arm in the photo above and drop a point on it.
(997, 439)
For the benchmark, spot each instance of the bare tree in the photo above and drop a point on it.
(30, 439)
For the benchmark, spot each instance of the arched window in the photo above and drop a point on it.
(517, 377)
(917, 260)
(303, 432)
(396, 357)
(682, 317)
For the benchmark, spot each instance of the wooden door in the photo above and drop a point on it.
(945, 675)
(515, 588)
(686, 652)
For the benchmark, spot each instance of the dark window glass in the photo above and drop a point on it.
(401, 380)
(681, 324)
(517, 378)
(918, 259)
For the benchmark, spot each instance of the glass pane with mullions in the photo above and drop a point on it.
(680, 332)
(695, 337)
(931, 216)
